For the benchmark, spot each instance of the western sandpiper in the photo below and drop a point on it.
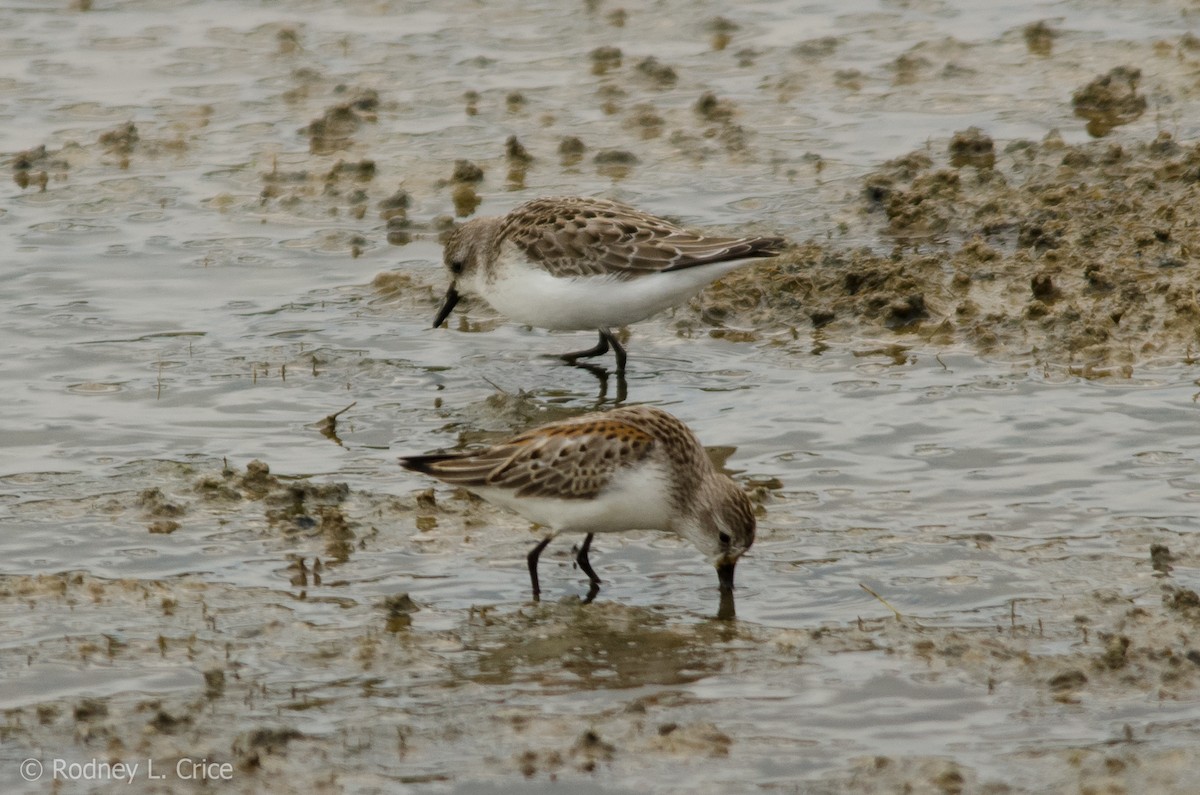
(574, 263)
(626, 469)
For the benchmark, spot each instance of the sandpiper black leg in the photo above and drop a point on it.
(618, 351)
(602, 375)
(593, 589)
(726, 610)
(600, 349)
(581, 559)
(533, 561)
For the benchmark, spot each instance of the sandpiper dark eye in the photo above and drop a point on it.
(456, 267)
(724, 539)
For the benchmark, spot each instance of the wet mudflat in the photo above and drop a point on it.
(970, 388)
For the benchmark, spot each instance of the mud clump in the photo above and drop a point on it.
(399, 608)
(590, 750)
(287, 40)
(702, 739)
(605, 59)
(972, 147)
(519, 160)
(335, 128)
(391, 284)
(516, 153)
(344, 181)
(258, 480)
(214, 683)
(34, 167)
(646, 119)
(722, 30)
(1039, 38)
(1077, 257)
(223, 488)
(1116, 653)
(465, 199)
(90, 709)
(1161, 558)
(615, 163)
(571, 150)
(1184, 600)
(910, 774)
(305, 509)
(394, 211)
(466, 173)
(120, 140)
(471, 100)
(849, 79)
(1110, 100)
(163, 512)
(463, 179)
(155, 504)
(395, 206)
(249, 748)
(713, 109)
(816, 49)
(293, 506)
(1068, 681)
(358, 170)
(908, 69)
(611, 95)
(659, 74)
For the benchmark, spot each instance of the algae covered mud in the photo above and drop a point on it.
(964, 403)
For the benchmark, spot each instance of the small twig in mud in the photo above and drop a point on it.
(496, 386)
(899, 615)
(328, 426)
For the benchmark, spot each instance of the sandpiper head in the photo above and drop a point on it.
(727, 530)
(464, 249)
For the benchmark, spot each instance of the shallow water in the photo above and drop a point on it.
(205, 299)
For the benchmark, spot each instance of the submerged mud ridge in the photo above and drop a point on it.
(1079, 256)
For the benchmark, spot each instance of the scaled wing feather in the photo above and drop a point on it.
(564, 461)
(592, 237)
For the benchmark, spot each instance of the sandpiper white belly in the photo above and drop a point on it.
(531, 295)
(636, 498)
